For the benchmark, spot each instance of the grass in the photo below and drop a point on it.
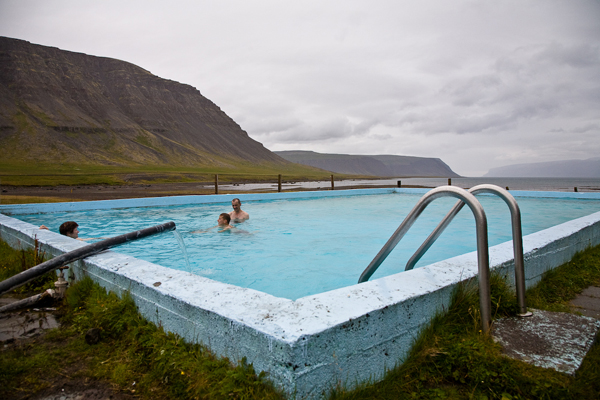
(11, 199)
(66, 174)
(13, 262)
(450, 359)
(131, 349)
(134, 355)
(562, 284)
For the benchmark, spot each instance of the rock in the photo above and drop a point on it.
(92, 336)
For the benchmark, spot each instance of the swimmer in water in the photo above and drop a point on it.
(237, 215)
(222, 224)
(70, 229)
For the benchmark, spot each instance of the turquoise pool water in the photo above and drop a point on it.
(297, 247)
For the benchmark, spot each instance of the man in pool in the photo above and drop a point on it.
(237, 215)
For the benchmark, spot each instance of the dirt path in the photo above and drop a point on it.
(106, 192)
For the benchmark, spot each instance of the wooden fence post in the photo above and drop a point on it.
(216, 183)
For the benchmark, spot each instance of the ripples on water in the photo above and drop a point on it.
(293, 248)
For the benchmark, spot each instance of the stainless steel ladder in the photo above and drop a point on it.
(465, 197)
(517, 237)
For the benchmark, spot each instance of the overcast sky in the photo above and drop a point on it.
(479, 84)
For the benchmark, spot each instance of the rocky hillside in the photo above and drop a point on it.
(379, 165)
(58, 106)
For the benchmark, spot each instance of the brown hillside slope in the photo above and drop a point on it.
(60, 106)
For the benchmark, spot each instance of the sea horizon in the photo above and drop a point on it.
(535, 184)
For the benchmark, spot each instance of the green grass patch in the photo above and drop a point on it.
(65, 174)
(562, 284)
(144, 353)
(13, 262)
(11, 199)
(133, 354)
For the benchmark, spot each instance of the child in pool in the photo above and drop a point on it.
(223, 221)
(70, 229)
(222, 224)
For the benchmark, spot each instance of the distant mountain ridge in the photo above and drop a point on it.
(377, 165)
(58, 106)
(589, 168)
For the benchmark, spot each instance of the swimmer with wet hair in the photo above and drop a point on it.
(238, 215)
(69, 229)
(222, 224)
(223, 221)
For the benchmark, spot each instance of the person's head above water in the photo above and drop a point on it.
(69, 229)
(237, 214)
(224, 219)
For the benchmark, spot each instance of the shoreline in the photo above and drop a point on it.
(64, 193)
(108, 192)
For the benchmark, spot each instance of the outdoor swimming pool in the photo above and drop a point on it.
(309, 345)
(293, 248)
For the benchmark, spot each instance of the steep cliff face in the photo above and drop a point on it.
(60, 106)
(416, 166)
(379, 165)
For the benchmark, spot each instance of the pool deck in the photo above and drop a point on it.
(547, 339)
(310, 345)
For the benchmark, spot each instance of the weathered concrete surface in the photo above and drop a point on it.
(547, 339)
(588, 302)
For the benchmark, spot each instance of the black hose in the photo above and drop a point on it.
(20, 279)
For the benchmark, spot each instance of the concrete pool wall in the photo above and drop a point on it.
(310, 345)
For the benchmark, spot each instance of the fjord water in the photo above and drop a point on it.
(295, 248)
(543, 184)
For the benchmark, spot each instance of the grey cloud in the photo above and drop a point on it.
(576, 56)
(327, 130)
(511, 81)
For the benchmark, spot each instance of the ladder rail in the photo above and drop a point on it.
(517, 236)
(482, 242)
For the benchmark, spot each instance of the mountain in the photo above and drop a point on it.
(589, 168)
(379, 165)
(58, 106)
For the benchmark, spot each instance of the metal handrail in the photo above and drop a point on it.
(483, 261)
(517, 236)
